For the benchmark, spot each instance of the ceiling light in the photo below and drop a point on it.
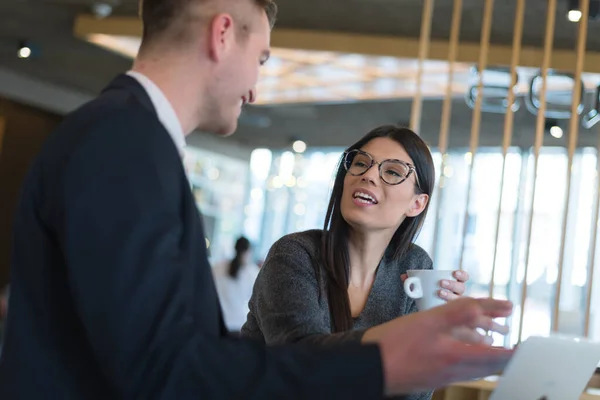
(556, 131)
(574, 15)
(24, 52)
(551, 126)
(299, 146)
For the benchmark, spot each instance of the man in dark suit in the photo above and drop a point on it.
(111, 292)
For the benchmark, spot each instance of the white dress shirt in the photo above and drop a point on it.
(164, 109)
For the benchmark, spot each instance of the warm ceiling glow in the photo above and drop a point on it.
(297, 76)
(293, 76)
(127, 46)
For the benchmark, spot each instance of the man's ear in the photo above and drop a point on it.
(221, 36)
(418, 205)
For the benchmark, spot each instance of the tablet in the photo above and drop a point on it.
(558, 367)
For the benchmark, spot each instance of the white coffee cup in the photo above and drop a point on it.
(424, 285)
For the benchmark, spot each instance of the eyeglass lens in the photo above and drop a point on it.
(391, 171)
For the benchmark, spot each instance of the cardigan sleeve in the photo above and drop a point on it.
(286, 304)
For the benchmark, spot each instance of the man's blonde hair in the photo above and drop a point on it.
(169, 19)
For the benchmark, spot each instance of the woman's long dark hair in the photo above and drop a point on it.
(334, 246)
(242, 245)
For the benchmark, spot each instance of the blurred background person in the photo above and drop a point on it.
(234, 280)
(3, 313)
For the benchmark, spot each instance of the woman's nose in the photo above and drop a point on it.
(372, 174)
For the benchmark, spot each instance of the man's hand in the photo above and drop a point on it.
(423, 351)
(452, 290)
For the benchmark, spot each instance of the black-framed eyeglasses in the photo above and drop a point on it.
(392, 172)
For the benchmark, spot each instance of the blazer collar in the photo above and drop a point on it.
(154, 100)
(126, 82)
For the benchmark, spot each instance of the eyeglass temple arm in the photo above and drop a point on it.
(414, 170)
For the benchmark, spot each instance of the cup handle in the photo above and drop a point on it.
(416, 291)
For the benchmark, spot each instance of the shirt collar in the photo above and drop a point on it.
(164, 109)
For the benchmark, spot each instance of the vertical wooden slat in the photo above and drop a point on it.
(539, 139)
(476, 122)
(452, 54)
(573, 137)
(592, 246)
(508, 123)
(447, 109)
(424, 41)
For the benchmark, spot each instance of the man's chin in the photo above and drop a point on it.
(227, 130)
(222, 129)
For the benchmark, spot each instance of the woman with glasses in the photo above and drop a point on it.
(332, 285)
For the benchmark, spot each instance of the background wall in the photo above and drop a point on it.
(22, 133)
